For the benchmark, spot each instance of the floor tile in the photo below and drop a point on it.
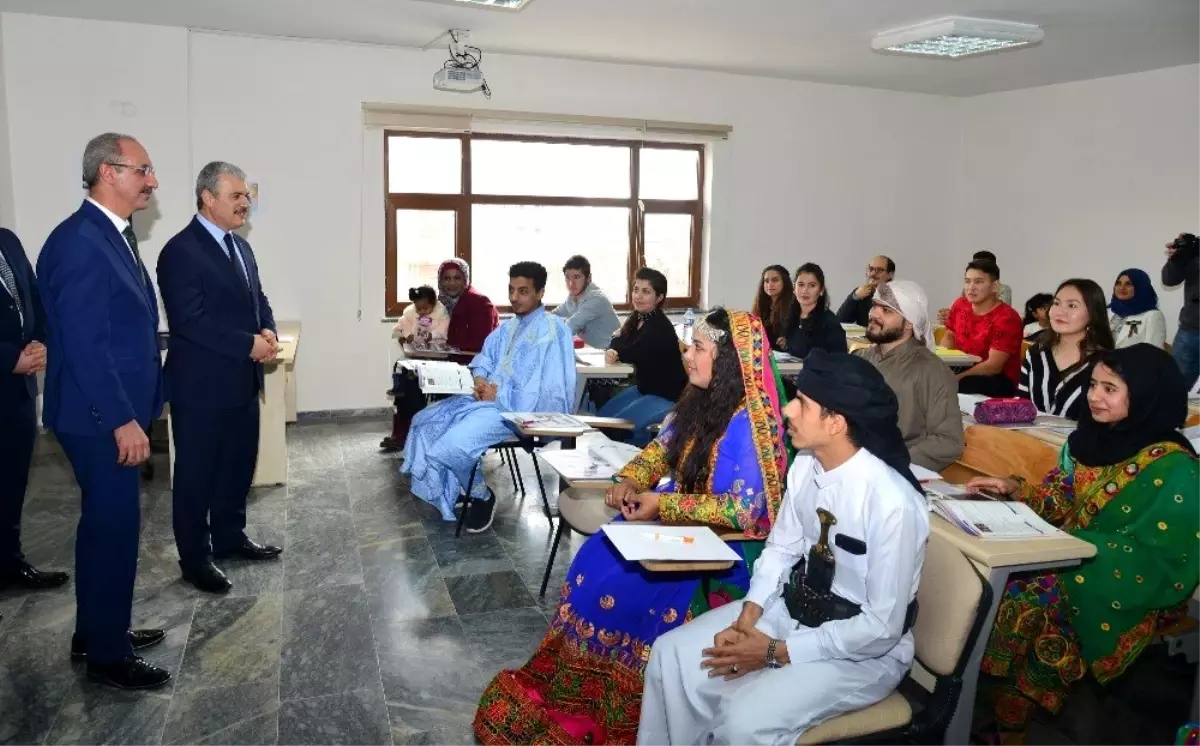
(436, 637)
(397, 551)
(477, 594)
(321, 550)
(38, 675)
(326, 488)
(95, 713)
(359, 716)
(233, 641)
(469, 554)
(505, 639)
(424, 694)
(246, 714)
(406, 592)
(327, 643)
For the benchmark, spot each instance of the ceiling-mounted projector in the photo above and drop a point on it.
(458, 79)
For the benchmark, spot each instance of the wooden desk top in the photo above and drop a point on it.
(288, 347)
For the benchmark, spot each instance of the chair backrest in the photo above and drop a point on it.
(949, 598)
(1000, 453)
(1025, 345)
(938, 333)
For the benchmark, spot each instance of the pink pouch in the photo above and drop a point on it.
(1005, 412)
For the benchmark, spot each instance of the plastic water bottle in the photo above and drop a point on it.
(689, 321)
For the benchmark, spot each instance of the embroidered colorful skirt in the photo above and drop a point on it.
(583, 685)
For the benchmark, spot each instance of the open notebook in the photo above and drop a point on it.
(600, 461)
(441, 376)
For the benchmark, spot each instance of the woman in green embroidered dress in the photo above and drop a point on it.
(1127, 483)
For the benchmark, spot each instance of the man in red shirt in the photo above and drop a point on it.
(980, 324)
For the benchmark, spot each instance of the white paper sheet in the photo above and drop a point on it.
(441, 376)
(601, 460)
(644, 541)
(556, 421)
(922, 474)
(996, 520)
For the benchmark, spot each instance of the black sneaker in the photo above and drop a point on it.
(481, 515)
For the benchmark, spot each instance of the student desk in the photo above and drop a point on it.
(277, 408)
(998, 561)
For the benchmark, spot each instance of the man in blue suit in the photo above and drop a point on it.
(22, 357)
(103, 388)
(222, 331)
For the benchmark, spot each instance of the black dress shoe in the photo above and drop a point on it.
(208, 578)
(251, 551)
(131, 673)
(27, 576)
(140, 639)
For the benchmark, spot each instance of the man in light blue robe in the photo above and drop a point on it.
(527, 365)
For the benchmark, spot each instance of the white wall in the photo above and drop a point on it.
(7, 208)
(61, 93)
(813, 172)
(1082, 179)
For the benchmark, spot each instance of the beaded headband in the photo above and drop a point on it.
(712, 333)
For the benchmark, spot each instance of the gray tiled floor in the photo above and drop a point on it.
(377, 626)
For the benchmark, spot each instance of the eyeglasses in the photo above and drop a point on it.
(874, 270)
(145, 169)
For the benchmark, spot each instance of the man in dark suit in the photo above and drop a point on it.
(22, 357)
(221, 332)
(103, 387)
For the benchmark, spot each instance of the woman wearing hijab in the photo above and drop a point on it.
(472, 319)
(1127, 483)
(725, 458)
(1135, 316)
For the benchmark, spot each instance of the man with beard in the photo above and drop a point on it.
(103, 389)
(924, 385)
(222, 331)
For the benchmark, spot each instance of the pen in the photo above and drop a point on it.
(673, 539)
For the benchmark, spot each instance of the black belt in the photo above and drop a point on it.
(812, 608)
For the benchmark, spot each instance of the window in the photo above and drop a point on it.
(498, 199)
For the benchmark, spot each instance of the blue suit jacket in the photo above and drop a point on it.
(15, 333)
(213, 318)
(103, 366)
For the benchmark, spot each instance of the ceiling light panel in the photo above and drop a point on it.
(490, 4)
(956, 37)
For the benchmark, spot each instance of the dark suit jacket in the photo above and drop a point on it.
(103, 367)
(14, 334)
(213, 318)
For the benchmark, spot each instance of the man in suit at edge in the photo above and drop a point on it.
(22, 356)
(103, 387)
(222, 331)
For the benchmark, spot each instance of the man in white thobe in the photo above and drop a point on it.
(751, 672)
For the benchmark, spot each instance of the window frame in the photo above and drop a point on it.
(462, 202)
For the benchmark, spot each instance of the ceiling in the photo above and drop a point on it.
(817, 40)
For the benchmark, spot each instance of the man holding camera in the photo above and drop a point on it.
(1183, 267)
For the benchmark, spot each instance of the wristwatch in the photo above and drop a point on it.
(772, 661)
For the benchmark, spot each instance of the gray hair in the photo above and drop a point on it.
(100, 150)
(211, 175)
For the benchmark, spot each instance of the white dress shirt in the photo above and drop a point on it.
(875, 505)
(119, 222)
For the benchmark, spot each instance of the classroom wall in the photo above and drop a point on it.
(1082, 179)
(7, 209)
(812, 172)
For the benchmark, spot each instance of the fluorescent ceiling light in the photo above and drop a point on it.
(955, 37)
(494, 4)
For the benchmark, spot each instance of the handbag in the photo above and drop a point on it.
(1005, 412)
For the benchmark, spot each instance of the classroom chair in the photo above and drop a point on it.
(952, 600)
